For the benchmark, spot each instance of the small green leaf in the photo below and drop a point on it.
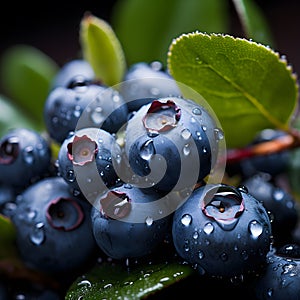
(116, 281)
(247, 85)
(146, 28)
(7, 237)
(102, 49)
(11, 117)
(26, 73)
(253, 21)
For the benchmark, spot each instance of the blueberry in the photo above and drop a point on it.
(289, 250)
(281, 205)
(76, 72)
(86, 161)
(173, 142)
(53, 228)
(273, 163)
(94, 105)
(25, 156)
(222, 231)
(145, 82)
(280, 280)
(129, 222)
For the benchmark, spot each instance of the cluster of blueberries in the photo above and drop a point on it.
(131, 173)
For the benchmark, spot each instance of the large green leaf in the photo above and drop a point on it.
(11, 117)
(146, 28)
(253, 21)
(26, 74)
(116, 281)
(247, 85)
(102, 49)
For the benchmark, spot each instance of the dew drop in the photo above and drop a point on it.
(208, 228)
(37, 236)
(195, 235)
(147, 150)
(186, 134)
(149, 221)
(200, 254)
(224, 256)
(28, 155)
(255, 229)
(186, 219)
(278, 194)
(97, 115)
(197, 111)
(70, 176)
(270, 292)
(85, 283)
(186, 150)
(219, 134)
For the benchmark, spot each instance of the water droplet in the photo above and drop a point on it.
(85, 283)
(278, 194)
(164, 279)
(255, 229)
(70, 175)
(186, 134)
(200, 254)
(37, 236)
(186, 150)
(270, 292)
(149, 221)
(198, 134)
(186, 219)
(243, 189)
(147, 150)
(154, 91)
(224, 256)
(208, 228)
(196, 111)
(204, 128)
(195, 235)
(28, 155)
(97, 115)
(219, 134)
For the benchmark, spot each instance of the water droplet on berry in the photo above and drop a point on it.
(186, 150)
(147, 150)
(186, 219)
(37, 236)
(196, 111)
(255, 229)
(85, 283)
(186, 134)
(200, 254)
(149, 221)
(278, 194)
(97, 115)
(28, 155)
(219, 134)
(208, 228)
(70, 175)
(224, 256)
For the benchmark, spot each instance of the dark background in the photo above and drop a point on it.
(53, 26)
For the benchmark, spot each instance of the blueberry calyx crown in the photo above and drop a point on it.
(82, 150)
(115, 205)
(224, 204)
(161, 116)
(9, 150)
(64, 214)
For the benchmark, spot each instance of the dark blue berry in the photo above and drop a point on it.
(25, 156)
(281, 205)
(53, 228)
(145, 82)
(280, 280)
(129, 222)
(86, 161)
(92, 105)
(74, 73)
(222, 231)
(173, 142)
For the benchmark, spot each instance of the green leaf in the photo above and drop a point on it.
(247, 85)
(254, 22)
(11, 117)
(7, 237)
(116, 281)
(146, 28)
(26, 73)
(102, 49)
